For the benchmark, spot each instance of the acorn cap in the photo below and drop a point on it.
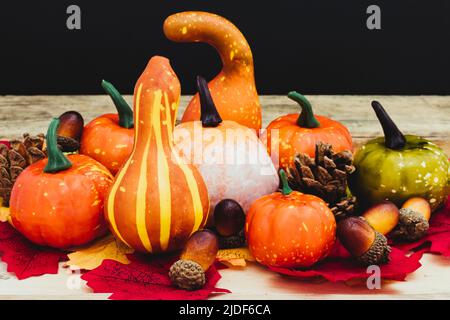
(187, 274)
(378, 252)
(412, 225)
(233, 241)
(364, 243)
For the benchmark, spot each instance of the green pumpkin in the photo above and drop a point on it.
(397, 167)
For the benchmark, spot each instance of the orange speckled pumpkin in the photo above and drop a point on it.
(157, 201)
(109, 137)
(292, 134)
(233, 89)
(290, 229)
(58, 201)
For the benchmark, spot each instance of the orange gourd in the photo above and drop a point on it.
(157, 201)
(109, 137)
(233, 89)
(290, 229)
(292, 134)
(58, 201)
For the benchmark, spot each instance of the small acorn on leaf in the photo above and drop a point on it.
(229, 221)
(383, 217)
(198, 255)
(70, 131)
(413, 220)
(364, 243)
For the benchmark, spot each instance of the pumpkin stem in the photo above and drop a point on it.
(393, 138)
(306, 118)
(57, 161)
(285, 189)
(123, 109)
(209, 115)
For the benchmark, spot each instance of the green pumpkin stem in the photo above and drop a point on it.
(123, 109)
(285, 189)
(306, 118)
(209, 116)
(393, 138)
(57, 161)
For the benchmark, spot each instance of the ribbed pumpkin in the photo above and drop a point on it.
(157, 201)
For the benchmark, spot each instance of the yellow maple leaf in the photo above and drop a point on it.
(4, 214)
(235, 257)
(91, 256)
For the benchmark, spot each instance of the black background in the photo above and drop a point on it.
(315, 47)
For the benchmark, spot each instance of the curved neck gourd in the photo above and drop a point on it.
(229, 42)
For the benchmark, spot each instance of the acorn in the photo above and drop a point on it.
(364, 243)
(413, 221)
(229, 217)
(233, 241)
(69, 132)
(198, 255)
(383, 217)
(229, 221)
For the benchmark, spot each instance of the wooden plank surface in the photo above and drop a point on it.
(428, 116)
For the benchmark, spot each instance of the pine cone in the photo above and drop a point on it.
(344, 208)
(325, 176)
(14, 160)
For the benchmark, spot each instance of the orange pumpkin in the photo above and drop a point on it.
(157, 201)
(233, 89)
(58, 201)
(292, 134)
(109, 137)
(290, 229)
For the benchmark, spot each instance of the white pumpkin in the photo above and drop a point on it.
(232, 160)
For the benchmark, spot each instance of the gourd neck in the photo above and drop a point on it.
(285, 189)
(57, 161)
(393, 137)
(209, 116)
(123, 109)
(306, 118)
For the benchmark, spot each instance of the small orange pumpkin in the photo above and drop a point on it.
(233, 89)
(109, 137)
(58, 201)
(292, 134)
(157, 201)
(289, 228)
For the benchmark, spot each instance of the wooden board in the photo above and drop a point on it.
(428, 116)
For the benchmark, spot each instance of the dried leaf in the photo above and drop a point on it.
(4, 214)
(235, 257)
(91, 256)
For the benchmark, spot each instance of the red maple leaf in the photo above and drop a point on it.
(24, 258)
(342, 268)
(145, 278)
